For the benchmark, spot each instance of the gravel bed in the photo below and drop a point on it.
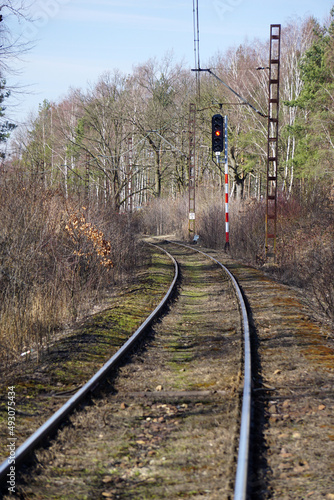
(293, 366)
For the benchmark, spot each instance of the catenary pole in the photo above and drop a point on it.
(191, 161)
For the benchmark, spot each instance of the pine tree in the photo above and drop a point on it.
(315, 126)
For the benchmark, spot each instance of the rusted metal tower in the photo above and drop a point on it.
(192, 125)
(272, 158)
(129, 176)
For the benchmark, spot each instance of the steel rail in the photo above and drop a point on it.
(241, 479)
(53, 422)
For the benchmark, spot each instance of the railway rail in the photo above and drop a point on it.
(53, 423)
(241, 482)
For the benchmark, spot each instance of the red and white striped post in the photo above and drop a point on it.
(129, 175)
(227, 225)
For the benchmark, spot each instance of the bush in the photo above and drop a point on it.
(56, 260)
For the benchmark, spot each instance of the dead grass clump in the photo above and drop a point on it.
(211, 223)
(316, 271)
(247, 230)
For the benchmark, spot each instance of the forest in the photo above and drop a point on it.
(89, 175)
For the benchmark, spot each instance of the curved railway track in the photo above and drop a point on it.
(199, 397)
(173, 418)
(53, 422)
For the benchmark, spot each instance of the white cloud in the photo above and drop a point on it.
(119, 13)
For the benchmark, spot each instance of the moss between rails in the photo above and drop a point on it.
(70, 362)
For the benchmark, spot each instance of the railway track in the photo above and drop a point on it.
(167, 422)
(185, 392)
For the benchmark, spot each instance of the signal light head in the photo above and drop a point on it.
(217, 133)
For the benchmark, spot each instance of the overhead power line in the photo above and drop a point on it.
(208, 70)
(196, 43)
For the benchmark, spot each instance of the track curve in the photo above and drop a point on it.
(53, 422)
(242, 443)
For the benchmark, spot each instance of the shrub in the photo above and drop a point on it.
(56, 260)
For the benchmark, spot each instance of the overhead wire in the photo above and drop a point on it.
(198, 68)
(208, 70)
(196, 44)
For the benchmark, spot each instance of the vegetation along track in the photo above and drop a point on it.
(293, 398)
(167, 426)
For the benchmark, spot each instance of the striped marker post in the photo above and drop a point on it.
(227, 226)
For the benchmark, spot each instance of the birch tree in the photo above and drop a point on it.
(297, 37)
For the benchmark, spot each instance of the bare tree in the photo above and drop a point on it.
(11, 47)
(14, 15)
(162, 97)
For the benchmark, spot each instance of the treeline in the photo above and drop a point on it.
(125, 141)
(90, 173)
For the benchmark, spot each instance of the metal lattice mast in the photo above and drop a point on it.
(129, 176)
(86, 181)
(192, 124)
(272, 159)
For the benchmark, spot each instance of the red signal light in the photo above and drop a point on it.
(217, 133)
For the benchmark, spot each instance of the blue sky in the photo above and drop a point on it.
(75, 41)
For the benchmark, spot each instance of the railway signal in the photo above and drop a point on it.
(217, 134)
(220, 145)
(227, 223)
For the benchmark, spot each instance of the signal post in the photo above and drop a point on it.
(220, 145)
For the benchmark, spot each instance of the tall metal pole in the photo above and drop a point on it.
(227, 224)
(196, 45)
(192, 216)
(272, 158)
(86, 181)
(129, 176)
